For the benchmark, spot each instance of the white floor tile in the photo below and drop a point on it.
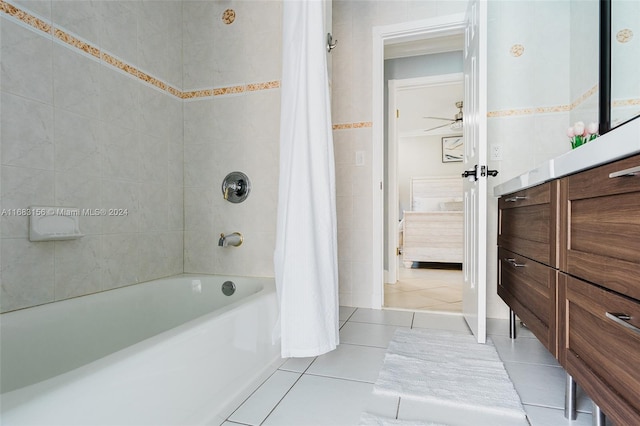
(383, 406)
(542, 416)
(352, 362)
(381, 316)
(298, 365)
(440, 322)
(359, 333)
(500, 327)
(523, 350)
(454, 415)
(258, 406)
(345, 312)
(543, 385)
(321, 401)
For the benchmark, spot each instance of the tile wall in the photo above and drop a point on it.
(79, 128)
(233, 132)
(107, 83)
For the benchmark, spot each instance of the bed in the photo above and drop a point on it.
(432, 231)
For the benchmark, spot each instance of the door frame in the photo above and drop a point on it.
(382, 35)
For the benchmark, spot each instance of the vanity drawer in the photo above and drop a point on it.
(603, 226)
(601, 350)
(527, 223)
(529, 288)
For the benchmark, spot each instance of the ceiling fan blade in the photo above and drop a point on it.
(437, 127)
(440, 118)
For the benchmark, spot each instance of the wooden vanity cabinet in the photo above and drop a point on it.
(601, 226)
(599, 285)
(527, 258)
(600, 343)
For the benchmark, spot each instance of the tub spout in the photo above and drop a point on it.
(235, 239)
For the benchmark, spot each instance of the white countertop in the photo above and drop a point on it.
(620, 142)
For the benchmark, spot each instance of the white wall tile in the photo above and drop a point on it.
(79, 17)
(27, 130)
(153, 207)
(27, 269)
(120, 260)
(121, 34)
(27, 64)
(119, 99)
(120, 152)
(76, 81)
(83, 192)
(120, 195)
(21, 188)
(77, 144)
(78, 266)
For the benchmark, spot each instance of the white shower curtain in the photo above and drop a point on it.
(305, 259)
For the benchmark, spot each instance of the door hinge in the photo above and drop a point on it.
(397, 251)
(397, 113)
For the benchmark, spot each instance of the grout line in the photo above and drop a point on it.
(339, 378)
(252, 393)
(350, 315)
(284, 396)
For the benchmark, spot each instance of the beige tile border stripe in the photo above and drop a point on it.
(94, 51)
(358, 125)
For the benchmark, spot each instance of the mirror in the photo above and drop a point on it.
(619, 62)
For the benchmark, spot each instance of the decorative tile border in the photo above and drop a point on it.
(544, 110)
(74, 42)
(625, 102)
(358, 125)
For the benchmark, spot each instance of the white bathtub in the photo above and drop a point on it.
(174, 351)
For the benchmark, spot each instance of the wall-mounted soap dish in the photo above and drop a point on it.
(54, 223)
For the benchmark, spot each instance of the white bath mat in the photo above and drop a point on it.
(448, 369)
(368, 419)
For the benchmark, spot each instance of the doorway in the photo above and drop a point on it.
(424, 32)
(424, 202)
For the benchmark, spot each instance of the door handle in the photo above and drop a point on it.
(484, 171)
(471, 174)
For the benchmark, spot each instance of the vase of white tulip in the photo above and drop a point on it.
(580, 134)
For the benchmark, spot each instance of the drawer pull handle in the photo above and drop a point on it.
(634, 171)
(622, 320)
(513, 262)
(515, 199)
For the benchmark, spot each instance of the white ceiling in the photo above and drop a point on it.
(435, 101)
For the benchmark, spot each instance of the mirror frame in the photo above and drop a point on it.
(604, 83)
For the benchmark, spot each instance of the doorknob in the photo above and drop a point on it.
(471, 174)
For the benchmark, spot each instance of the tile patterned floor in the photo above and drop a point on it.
(426, 289)
(335, 388)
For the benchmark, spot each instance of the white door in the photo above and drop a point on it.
(474, 296)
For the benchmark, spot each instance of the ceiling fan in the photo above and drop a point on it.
(455, 123)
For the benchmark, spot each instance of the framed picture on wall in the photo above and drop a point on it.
(452, 149)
